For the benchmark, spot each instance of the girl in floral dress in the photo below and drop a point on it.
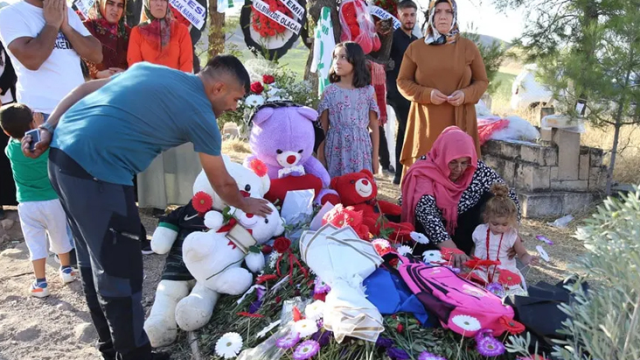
(348, 111)
(493, 240)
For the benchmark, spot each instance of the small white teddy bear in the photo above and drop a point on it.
(180, 301)
(214, 258)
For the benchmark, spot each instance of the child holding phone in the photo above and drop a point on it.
(40, 210)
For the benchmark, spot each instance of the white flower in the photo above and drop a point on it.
(254, 100)
(306, 327)
(543, 253)
(267, 328)
(273, 257)
(229, 345)
(315, 310)
(404, 250)
(419, 238)
(432, 256)
(466, 322)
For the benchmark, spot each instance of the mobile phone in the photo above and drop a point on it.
(35, 138)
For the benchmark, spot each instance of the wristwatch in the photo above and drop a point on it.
(48, 127)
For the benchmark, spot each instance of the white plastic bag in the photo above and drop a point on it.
(297, 206)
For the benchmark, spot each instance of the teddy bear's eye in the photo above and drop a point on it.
(247, 188)
(278, 151)
(352, 181)
(266, 221)
(300, 151)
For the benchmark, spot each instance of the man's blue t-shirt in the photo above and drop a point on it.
(116, 132)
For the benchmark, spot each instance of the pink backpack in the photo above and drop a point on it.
(460, 305)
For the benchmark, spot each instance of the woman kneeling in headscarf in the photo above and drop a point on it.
(443, 193)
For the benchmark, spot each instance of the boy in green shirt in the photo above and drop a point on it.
(40, 210)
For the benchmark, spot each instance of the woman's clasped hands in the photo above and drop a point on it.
(455, 99)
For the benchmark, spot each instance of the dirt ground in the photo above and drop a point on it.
(59, 327)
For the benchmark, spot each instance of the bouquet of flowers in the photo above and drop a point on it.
(269, 83)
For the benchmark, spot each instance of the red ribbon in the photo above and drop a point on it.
(264, 278)
(292, 260)
(226, 228)
(249, 315)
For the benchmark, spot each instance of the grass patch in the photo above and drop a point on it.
(235, 145)
(294, 60)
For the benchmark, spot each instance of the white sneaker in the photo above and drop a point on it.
(68, 275)
(39, 290)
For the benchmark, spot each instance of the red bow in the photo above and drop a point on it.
(228, 226)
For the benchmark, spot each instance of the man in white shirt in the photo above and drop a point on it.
(46, 41)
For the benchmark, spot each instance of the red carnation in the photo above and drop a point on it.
(272, 32)
(321, 297)
(400, 328)
(281, 244)
(268, 79)
(257, 88)
(258, 166)
(202, 202)
(508, 278)
(511, 325)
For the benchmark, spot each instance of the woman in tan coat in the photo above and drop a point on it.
(443, 76)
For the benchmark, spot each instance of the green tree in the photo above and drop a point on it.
(492, 55)
(589, 51)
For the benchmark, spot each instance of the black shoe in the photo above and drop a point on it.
(156, 213)
(160, 356)
(396, 180)
(391, 169)
(146, 247)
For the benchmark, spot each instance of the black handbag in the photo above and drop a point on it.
(540, 314)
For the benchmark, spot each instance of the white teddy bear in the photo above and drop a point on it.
(179, 300)
(214, 258)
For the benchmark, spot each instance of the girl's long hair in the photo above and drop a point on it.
(355, 57)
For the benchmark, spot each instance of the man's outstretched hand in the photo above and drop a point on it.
(255, 206)
(41, 146)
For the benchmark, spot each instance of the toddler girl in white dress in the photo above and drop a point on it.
(495, 237)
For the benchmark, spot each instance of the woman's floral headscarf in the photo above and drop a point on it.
(433, 37)
(111, 32)
(156, 31)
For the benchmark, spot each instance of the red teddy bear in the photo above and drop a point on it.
(359, 191)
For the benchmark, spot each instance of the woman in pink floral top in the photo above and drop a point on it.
(348, 111)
